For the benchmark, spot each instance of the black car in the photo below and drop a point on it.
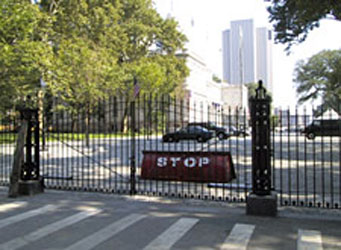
(323, 128)
(232, 130)
(220, 132)
(189, 133)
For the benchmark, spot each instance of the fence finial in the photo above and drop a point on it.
(260, 91)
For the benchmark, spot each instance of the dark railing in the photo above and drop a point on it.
(101, 149)
(307, 158)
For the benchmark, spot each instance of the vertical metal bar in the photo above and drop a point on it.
(331, 171)
(314, 168)
(281, 155)
(132, 150)
(289, 155)
(154, 137)
(145, 131)
(36, 142)
(297, 158)
(230, 142)
(305, 161)
(182, 124)
(138, 151)
(116, 133)
(98, 184)
(126, 140)
(84, 167)
(322, 165)
(237, 164)
(168, 124)
(64, 140)
(245, 155)
(339, 126)
(161, 130)
(109, 143)
(272, 136)
(176, 107)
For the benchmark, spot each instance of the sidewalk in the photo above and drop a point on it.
(79, 220)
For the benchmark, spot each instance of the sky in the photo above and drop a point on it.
(204, 20)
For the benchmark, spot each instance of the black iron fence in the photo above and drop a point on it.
(307, 157)
(102, 149)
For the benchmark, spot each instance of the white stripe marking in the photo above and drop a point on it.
(169, 237)
(239, 237)
(9, 206)
(49, 229)
(26, 215)
(107, 232)
(309, 240)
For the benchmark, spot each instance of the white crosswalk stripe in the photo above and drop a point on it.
(309, 240)
(49, 229)
(169, 237)
(105, 233)
(26, 215)
(10, 206)
(239, 237)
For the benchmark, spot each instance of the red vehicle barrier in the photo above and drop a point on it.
(188, 166)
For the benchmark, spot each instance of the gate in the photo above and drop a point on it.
(101, 149)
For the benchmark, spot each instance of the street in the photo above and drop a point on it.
(304, 171)
(81, 220)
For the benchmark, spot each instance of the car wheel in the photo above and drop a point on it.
(200, 139)
(170, 139)
(221, 136)
(311, 136)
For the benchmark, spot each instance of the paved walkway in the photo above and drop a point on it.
(76, 220)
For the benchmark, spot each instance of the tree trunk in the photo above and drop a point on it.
(124, 121)
(18, 161)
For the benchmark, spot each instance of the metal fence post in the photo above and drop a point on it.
(132, 149)
(261, 201)
(25, 179)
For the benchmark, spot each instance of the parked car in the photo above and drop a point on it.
(233, 131)
(323, 128)
(220, 132)
(198, 133)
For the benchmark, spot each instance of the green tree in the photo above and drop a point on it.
(152, 45)
(103, 48)
(293, 19)
(25, 54)
(319, 77)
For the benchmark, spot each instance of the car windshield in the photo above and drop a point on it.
(317, 123)
(191, 129)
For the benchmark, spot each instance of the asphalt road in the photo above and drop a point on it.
(80, 220)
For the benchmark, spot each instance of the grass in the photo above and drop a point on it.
(6, 138)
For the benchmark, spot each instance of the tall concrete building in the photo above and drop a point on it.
(247, 54)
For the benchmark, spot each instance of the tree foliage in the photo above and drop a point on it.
(293, 19)
(25, 54)
(87, 50)
(103, 47)
(319, 78)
